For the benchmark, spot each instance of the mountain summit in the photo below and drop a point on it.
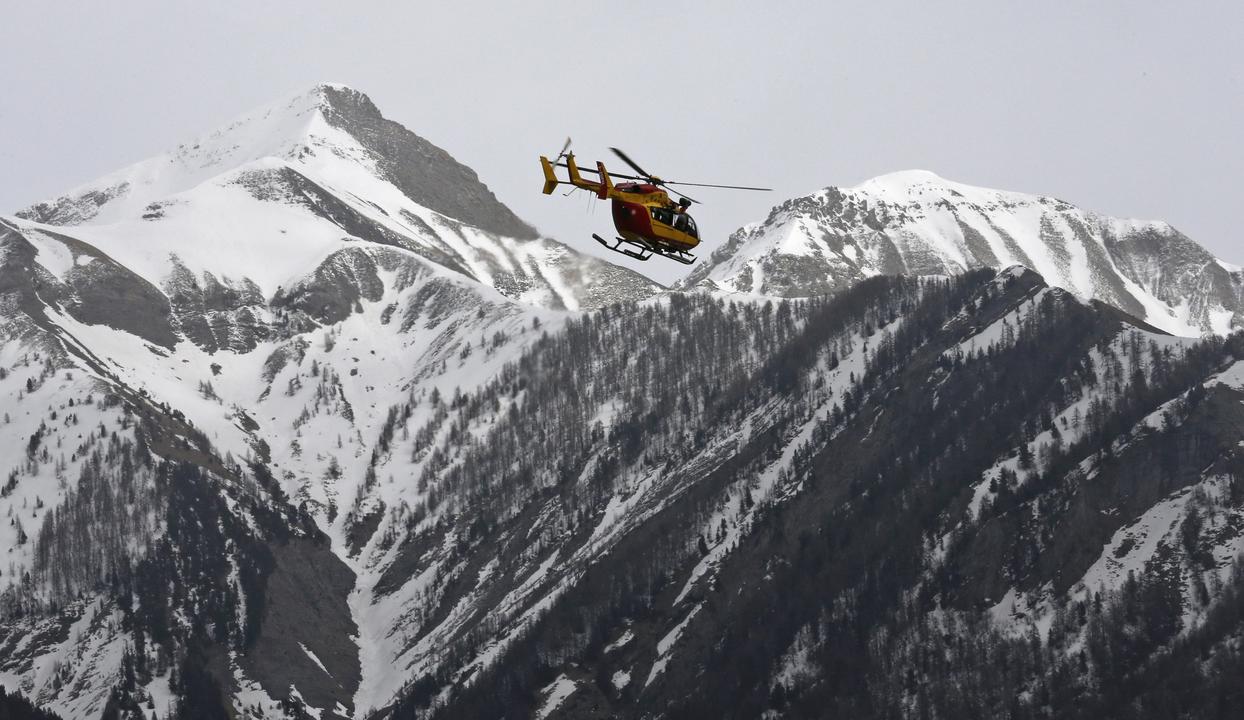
(917, 223)
(267, 197)
(327, 128)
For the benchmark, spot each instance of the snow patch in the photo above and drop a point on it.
(666, 644)
(314, 659)
(620, 642)
(555, 693)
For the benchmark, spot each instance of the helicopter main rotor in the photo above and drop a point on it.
(666, 183)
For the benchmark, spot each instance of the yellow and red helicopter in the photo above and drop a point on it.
(643, 213)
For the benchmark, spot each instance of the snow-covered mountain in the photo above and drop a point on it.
(257, 206)
(299, 421)
(263, 292)
(916, 223)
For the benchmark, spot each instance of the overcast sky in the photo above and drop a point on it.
(1127, 108)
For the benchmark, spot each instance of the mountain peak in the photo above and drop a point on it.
(320, 96)
(914, 222)
(905, 186)
(339, 98)
(295, 186)
(331, 129)
(325, 86)
(904, 179)
(279, 129)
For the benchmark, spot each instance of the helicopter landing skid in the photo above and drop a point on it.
(645, 250)
(617, 247)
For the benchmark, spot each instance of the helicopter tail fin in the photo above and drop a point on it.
(550, 179)
(606, 182)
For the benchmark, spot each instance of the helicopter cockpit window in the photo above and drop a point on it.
(663, 215)
(690, 228)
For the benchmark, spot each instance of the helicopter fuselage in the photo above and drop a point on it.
(644, 212)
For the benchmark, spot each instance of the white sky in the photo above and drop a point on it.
(1127, 108)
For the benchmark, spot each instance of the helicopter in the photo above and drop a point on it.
(648, 222)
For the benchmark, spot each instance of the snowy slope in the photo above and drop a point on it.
(278, 283)
(915, 222)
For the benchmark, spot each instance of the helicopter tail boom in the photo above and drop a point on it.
(603, 189)
(576, 179)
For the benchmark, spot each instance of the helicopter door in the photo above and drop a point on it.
(663, 216)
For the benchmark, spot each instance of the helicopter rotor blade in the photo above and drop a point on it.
(728, 187)
(612, 174)
(626, 159)
(565, 147)
(697, 202)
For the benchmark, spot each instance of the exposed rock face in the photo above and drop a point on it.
(333, 291)
(91, 287)
(916, 223)
(1178, 271)
(216, 315)
(73, 210)
(421, 170)
(305, 637)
